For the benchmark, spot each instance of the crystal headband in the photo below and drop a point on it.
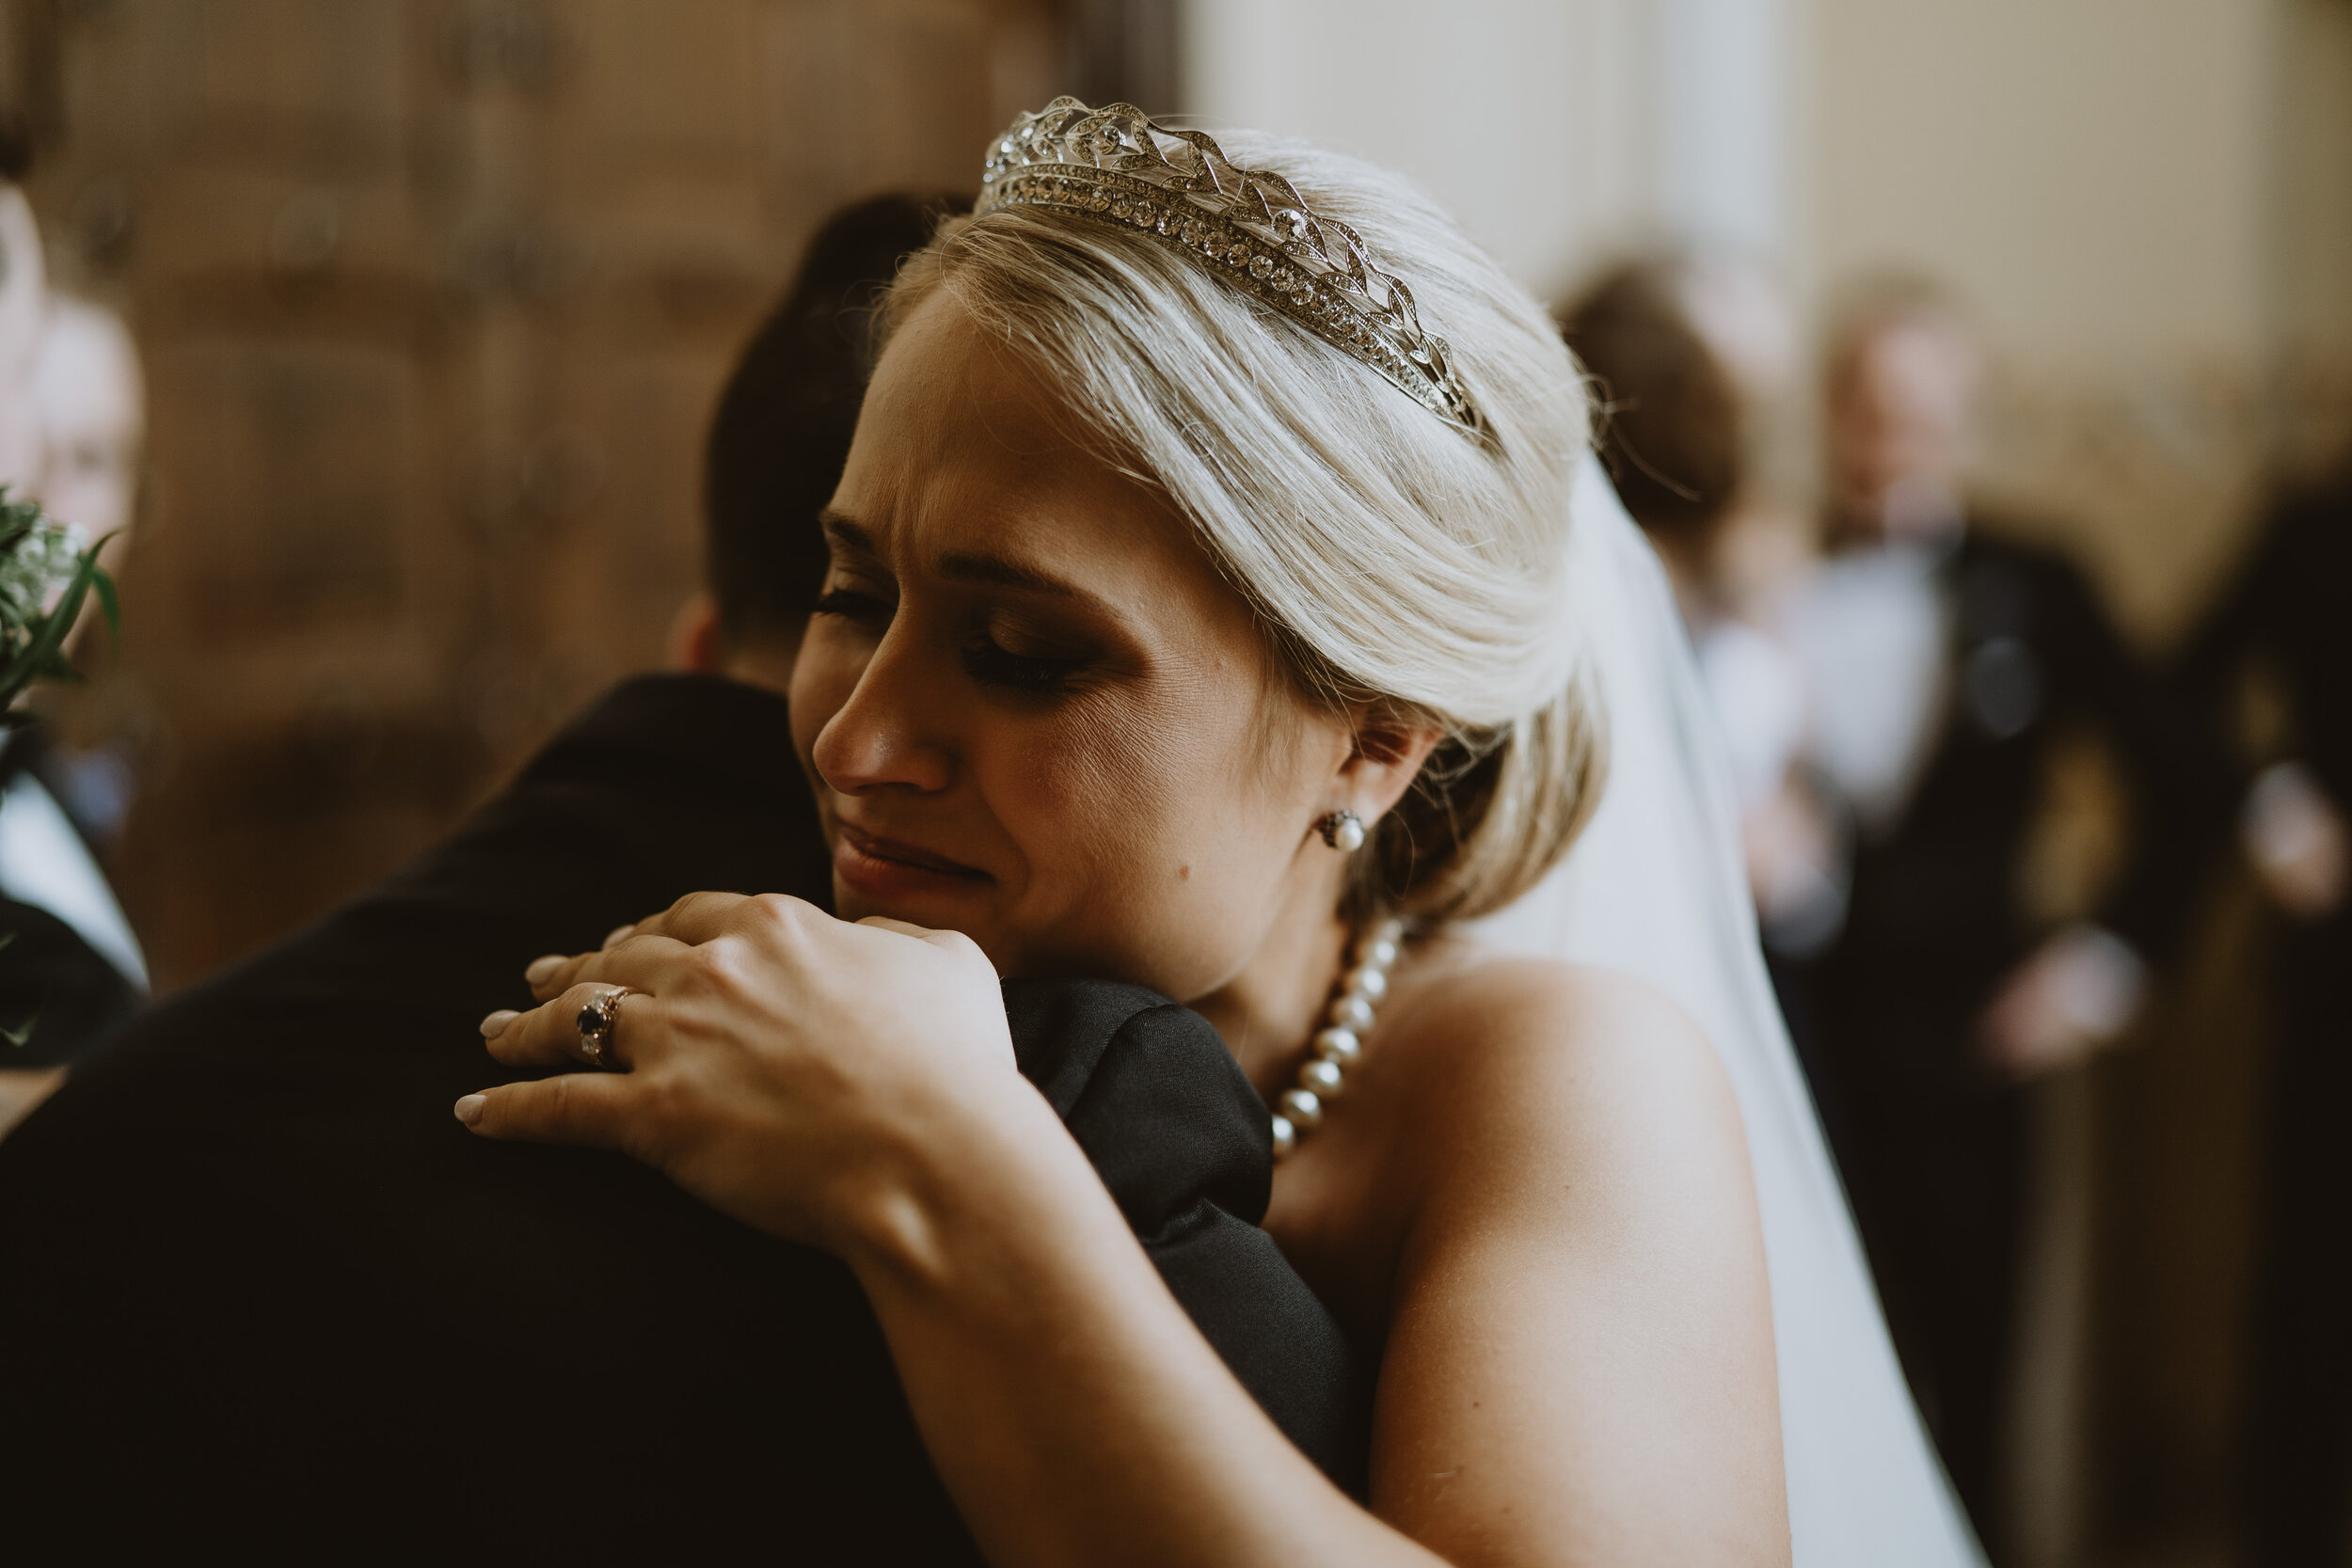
(1251, 228)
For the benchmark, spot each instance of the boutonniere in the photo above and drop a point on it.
(46, 574)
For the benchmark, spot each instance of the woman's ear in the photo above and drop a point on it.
(697, 645)
(1385, 759)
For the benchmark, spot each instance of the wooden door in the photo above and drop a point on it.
(435, 298)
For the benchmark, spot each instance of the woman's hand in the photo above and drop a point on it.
(797, 1072)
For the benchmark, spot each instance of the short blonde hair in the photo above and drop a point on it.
(1394, 559)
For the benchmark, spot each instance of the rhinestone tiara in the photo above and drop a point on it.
(1250, 227)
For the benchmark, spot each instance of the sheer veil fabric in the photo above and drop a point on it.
(1654, 887)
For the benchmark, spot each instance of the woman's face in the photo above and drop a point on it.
(1032, 710)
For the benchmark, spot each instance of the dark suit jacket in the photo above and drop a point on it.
(2292, 605)
(263, 1293)
(1936, 919)
(49, 976)
(1929, 1141)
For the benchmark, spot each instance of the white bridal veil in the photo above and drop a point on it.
(1654, 887)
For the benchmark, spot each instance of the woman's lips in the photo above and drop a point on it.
(879, 867)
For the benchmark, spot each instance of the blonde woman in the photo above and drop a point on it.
(1195, 619)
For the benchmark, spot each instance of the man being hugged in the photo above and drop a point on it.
(263, 1291)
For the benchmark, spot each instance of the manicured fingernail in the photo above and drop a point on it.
(541, 968)
(618, 935)
(495, 1025)
(469, 1109)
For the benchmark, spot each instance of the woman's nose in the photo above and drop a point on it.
(881, 738)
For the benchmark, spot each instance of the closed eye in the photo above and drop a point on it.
(992, 665)
(851, 605)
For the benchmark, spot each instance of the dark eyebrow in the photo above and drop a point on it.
(968, 565)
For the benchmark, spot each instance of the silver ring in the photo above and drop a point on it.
(595, 1023)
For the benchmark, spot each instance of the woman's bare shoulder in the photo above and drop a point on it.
(1580, 1318)
(1473, 1009)
(1536, 1061)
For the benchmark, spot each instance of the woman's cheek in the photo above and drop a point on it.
(1050, 782)
(1102, 811)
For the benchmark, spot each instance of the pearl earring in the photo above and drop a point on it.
(1343, 831)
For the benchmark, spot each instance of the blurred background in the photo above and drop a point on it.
(431, 300)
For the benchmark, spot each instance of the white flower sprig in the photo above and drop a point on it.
(46, 572)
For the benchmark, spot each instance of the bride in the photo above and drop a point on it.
(1195, 619)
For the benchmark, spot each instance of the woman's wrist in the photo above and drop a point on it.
(961, 1189)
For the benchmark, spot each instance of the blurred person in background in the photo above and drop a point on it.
(1689, 356)
(1692, 358)
(24, 316)
(71, 417)
(2273, 671)
(1671, 424)
(1960, 690)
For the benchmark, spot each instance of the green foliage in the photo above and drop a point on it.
(43, 582)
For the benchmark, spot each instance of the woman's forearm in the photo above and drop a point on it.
(1075, 1412)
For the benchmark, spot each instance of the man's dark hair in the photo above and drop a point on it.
(1670, 433)
(781, 431)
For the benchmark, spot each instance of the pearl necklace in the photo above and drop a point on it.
(1335, 1049)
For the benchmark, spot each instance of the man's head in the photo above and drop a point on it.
(1903, 373)
(781, 435)
(86, 384)
(1672, 434)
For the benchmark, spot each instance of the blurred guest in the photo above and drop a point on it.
(1671, 433)
(2289, 620)
(1685, 355)
(1691, 359)
(92, 396)
(1949, 674)
(87, 385)
(71, 970)
(23, 308)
